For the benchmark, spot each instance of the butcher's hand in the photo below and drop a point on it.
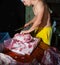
(27, 24)
(24, 32)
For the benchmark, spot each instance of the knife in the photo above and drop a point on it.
(19, 28)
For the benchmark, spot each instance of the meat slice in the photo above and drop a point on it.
(23, 43)
(23, 37)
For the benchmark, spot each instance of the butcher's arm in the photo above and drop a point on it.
(30, 22)
(37, 21)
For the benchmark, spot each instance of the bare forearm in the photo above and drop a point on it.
(34, 26)
(38, 20)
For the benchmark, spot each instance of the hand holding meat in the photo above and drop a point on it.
(24, 32)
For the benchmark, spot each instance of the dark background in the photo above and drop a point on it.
(55, 7)
(12, 15)
(55, 16)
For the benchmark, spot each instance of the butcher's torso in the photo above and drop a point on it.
(46, 16)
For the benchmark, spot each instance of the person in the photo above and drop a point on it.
(41, 22)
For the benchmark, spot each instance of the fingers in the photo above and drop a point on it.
(24, 32)
(21, 32)
(26, 25)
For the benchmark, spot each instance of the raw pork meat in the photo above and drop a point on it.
(23, 37)
(6, 60)
(23, 43)
(51, 57)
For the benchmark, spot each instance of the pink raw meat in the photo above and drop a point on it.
(23, 43)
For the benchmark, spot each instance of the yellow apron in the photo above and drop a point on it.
(45, 34)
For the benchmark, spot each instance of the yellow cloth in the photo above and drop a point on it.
(45, 34)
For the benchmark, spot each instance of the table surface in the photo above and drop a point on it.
(37, 53)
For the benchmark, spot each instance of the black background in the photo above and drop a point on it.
(12, 15)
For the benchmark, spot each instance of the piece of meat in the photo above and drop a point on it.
(6, 60)
(23, 43)
(23, 37)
